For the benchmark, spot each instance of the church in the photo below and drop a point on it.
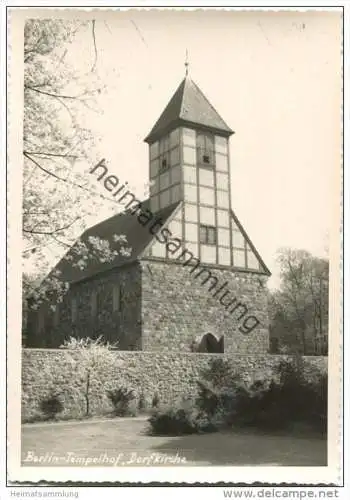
(192, 281)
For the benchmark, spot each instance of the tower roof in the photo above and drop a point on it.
(188, 106)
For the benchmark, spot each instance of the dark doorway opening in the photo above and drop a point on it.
(209, 343)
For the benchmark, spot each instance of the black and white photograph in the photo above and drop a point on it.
(175, 245)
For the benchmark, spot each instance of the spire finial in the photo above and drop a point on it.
(186, 63)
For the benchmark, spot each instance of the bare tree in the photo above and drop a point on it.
(299, 309)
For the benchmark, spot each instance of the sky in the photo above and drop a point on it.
(274, 77)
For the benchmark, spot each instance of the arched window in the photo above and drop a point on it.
(209, 343)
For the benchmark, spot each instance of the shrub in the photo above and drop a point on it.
(290, 399)
(219, 374)
(121, 399)
(208, 398)
(51, 406)
(302, 393)
(179, 420)
(171, 421)
(217, 392)
(294, 394)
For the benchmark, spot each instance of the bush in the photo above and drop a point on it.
(289, 397)
(180, 420)
(217, 392)
(299, 396)
(295, 394)
(219, 374)
(172, 421)
(122, 399)
(51, 406)
(209, 399)
(217, 405)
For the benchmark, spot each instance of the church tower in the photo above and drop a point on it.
(189, 161)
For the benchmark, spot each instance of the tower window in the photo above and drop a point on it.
(205, 149)
(164, 164)
(164, 147)
(206, 159)
(165, 153)
(207, 235)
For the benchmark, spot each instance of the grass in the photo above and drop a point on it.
(127, 438)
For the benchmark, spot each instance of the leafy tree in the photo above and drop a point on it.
(54, 138)
(299, 309)
(57, 146)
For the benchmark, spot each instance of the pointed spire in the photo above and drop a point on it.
(188, 106)
(186, 63)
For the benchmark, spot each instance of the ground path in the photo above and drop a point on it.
(125, 442)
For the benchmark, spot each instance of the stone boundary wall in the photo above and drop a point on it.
(169, 375)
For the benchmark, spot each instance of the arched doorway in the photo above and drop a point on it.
(209, 343)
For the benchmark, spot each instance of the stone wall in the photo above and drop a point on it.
(170, 375)
(122, 326)
(178, 309)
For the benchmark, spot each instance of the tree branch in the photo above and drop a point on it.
(50, 233)
(60, 242)
(43, 153)
(95, 48)
(75, 184)
(50, 94)
(34, 49)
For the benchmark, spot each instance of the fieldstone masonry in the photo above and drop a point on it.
(177, 309)
(163, 307)
(171, 375)
(122, 326)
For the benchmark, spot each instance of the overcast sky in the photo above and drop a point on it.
(273, 77)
